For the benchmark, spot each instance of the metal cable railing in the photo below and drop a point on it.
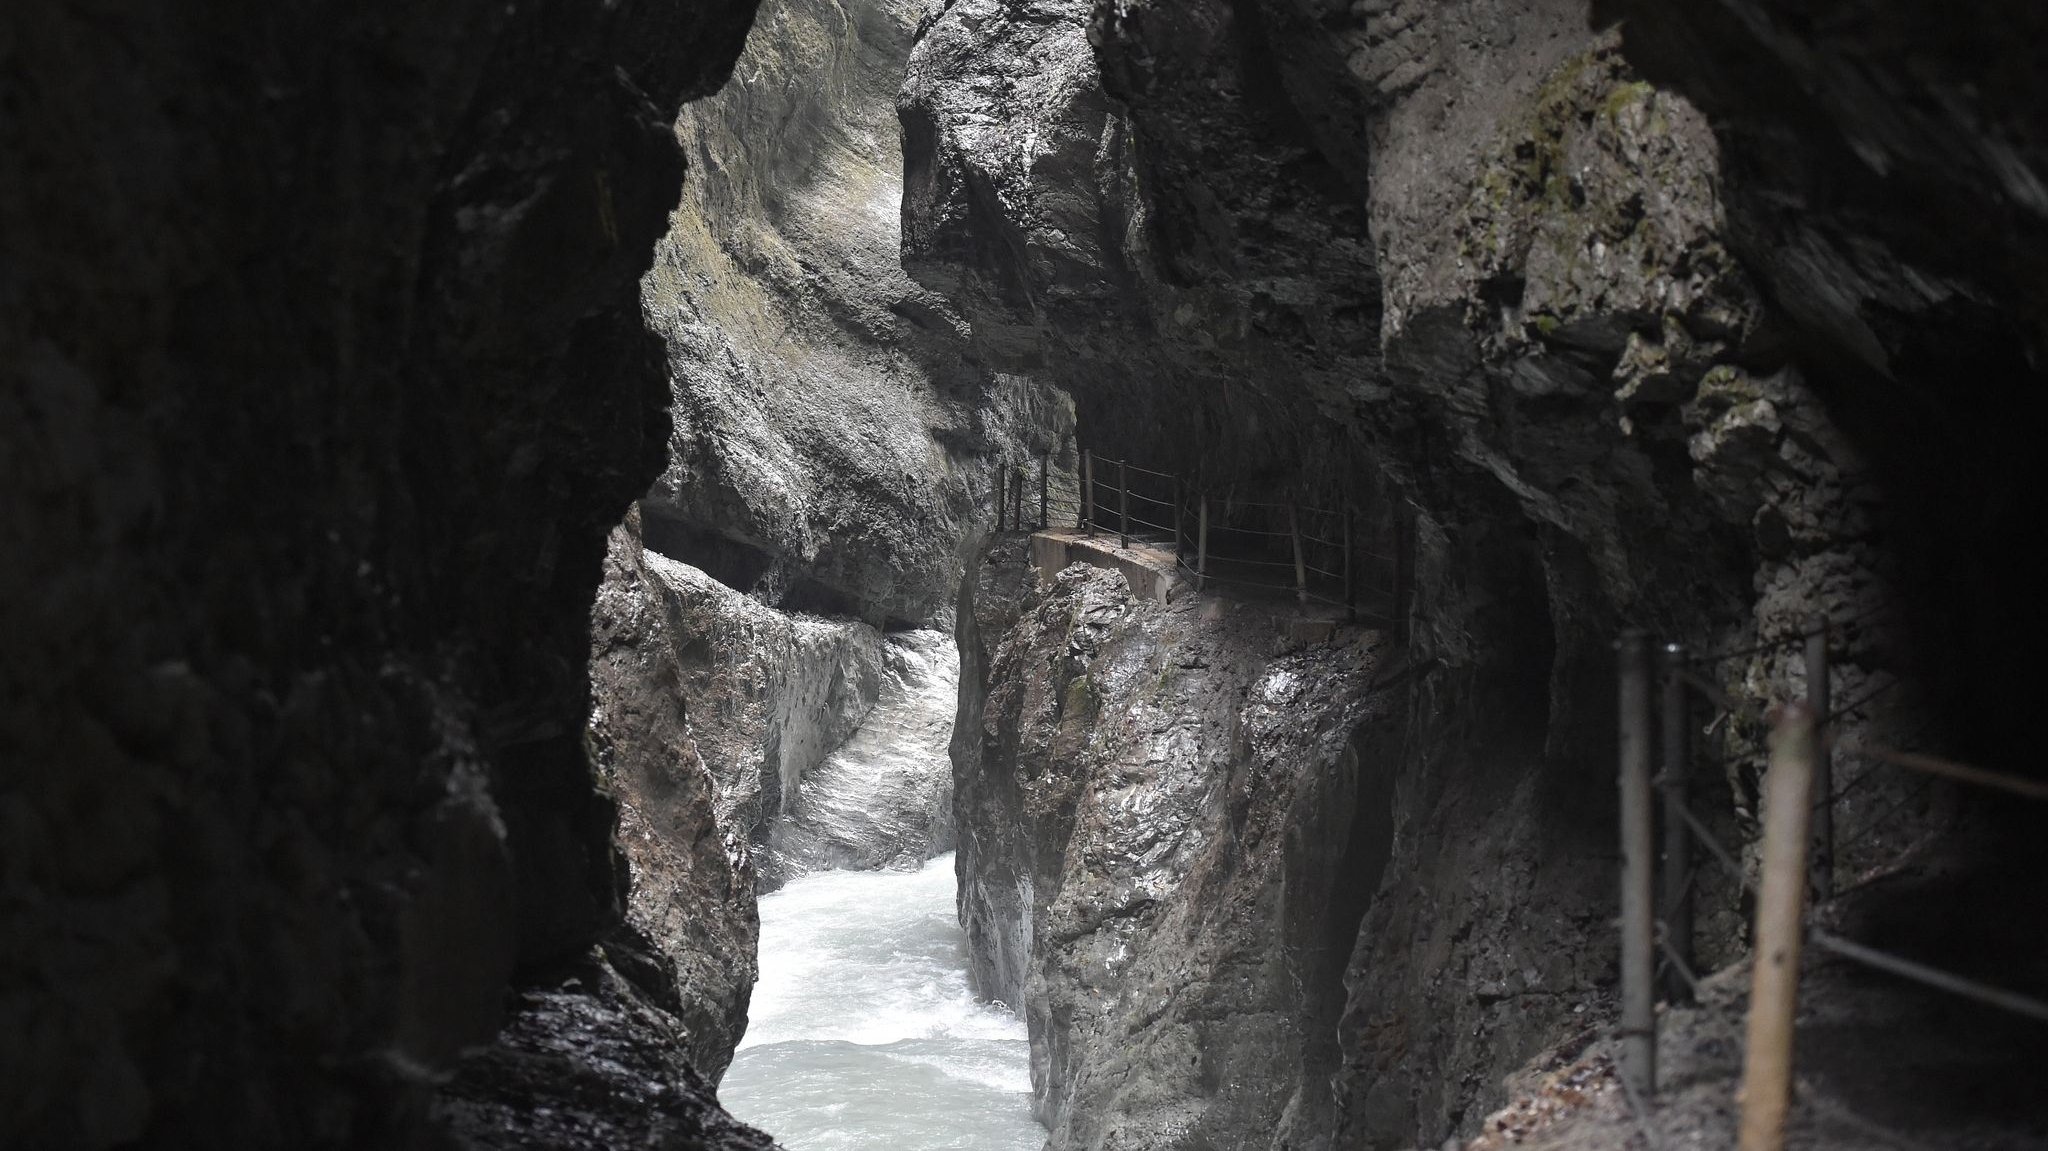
(1265, 546)
(1797, 856)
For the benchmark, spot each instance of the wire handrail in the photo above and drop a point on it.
(1328, 553)
(1801, 754)
(1126, 464)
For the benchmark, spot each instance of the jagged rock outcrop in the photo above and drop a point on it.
(1172, 817)
(586, 1065)
(769, 693)
(691, 922)
(1461, 256)
(832, 445)
(322, 378)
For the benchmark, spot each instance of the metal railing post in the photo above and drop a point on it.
(1350, 602)
(1044, 487)
(1002, 495)
(1123, 505)
(1017, 520)
(1088, 490)
(1300, 564)
(1676, 771)
(1817, 698)
(1774, 965)
(1202, 541)
(1404, 557)
(1638, 862)
(1178, 495)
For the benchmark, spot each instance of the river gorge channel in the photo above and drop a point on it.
(1023, 575)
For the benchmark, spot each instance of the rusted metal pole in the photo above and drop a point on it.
(1780, 902)
(1044, 488)
(1676, 770)
(1638, 869)
(1088, 490)
(1123, 505)
(1300, 564)
(1202, 542)
(1818, 692)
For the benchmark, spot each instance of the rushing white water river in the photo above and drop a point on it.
(863, 1033)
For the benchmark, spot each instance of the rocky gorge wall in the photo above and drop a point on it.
(834, 435)
(1172, 817)
(831, 459)
(1462, 257)
(324, 379)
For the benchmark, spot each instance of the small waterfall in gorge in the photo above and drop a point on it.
(862, 1031)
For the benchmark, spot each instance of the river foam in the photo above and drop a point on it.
(863, 1034)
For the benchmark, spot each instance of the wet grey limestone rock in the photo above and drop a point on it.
(585, 1064)
(1172, 819)
(690, 912)
(1886, 165)
(884, 797)
(322, 378)
(769, 694)
(1459, 259)
(833, 435)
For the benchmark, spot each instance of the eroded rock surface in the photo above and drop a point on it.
(1174, 819)
(884, 797)
(1460, 259)
(585, 1064)
(322, 378)
(834, 435)
(691, 926)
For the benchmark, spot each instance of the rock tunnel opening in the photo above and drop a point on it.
(435, 628)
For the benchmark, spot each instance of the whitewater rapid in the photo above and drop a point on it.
(863, 1033)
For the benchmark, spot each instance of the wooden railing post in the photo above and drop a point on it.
(1202, 541)
(1044, 487)
(1676, 771)
(1123, 505)
(1300, 564)
(1002, 495)
(1017, 519)
(1817, 698)
(1774, 965)
(1638, 861)
(1088, 490)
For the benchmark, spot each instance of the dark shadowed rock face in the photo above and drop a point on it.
(324, 377)
(1463, 256)
(1887, 180)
